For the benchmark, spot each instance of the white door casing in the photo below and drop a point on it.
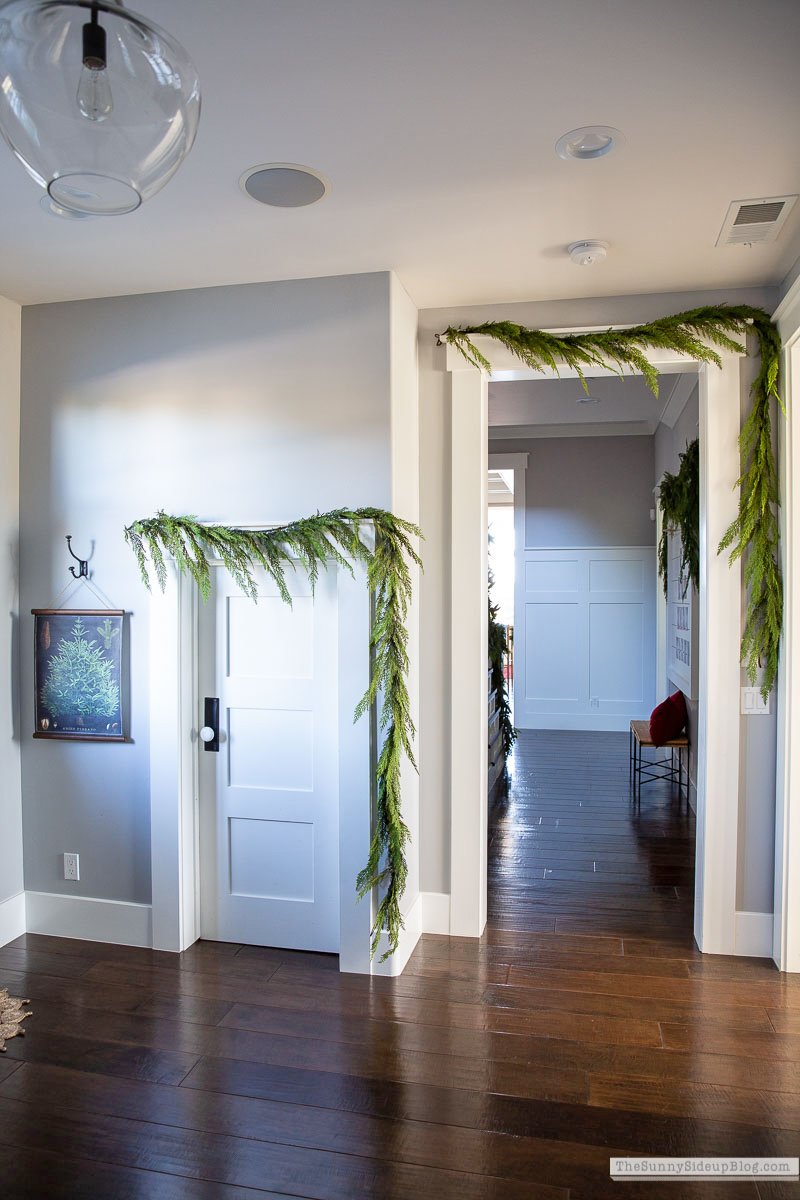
(174, 799)
(786, 925)
(719, 635)
(269, 798)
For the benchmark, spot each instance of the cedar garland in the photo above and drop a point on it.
(679, 501)
(312, 543)
(753, 535)
(498, 648)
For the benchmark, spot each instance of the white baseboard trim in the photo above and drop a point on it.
(753, 934)
(599, 724)
(435, 912)
(89, 919)
(12, 918)
(409, 936)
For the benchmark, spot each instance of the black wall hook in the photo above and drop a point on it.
(83, 563)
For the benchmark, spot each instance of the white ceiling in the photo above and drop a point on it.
(435, 121)
(549, 407)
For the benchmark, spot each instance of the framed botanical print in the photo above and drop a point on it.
(78, 673)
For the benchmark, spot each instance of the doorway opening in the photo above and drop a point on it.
(571, 838)
(720, 397)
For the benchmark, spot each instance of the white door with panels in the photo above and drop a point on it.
(585, 638)
(269, 784)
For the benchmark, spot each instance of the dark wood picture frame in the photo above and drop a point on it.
(65, 653)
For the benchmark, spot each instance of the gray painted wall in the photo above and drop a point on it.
(11, 877)
(434, 745)
(253, 403)
(757, 734)
(586, 491)
(669, 445)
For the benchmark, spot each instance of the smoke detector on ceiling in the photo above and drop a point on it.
(755, 221)
(586, 254)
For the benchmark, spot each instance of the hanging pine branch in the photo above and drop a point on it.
(314, 542)
(753, 536)
(498, 648)
(679, 501)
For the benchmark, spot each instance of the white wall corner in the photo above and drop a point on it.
(89, 919)
(12, 918)
(435, 912)
(754, 934)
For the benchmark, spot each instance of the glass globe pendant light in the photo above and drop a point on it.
(98, 104)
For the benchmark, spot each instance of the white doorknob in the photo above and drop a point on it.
(207, 734)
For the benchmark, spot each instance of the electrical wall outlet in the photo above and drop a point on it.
(594, 702)
(72, 866)
(754, 704)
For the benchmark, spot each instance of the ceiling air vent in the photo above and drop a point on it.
(751, 221)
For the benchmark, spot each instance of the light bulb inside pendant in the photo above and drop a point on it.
(95, 101)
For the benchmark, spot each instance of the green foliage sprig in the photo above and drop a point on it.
(313, 543)
(753, 535)
(679, 501)
(498, 648)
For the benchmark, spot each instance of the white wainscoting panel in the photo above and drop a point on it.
(585, 638)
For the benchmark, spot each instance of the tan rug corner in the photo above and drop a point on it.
(11, 1017)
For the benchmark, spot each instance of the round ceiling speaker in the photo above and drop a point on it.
(284, 185)
(586, 254)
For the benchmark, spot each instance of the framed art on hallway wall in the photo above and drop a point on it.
(78, 674)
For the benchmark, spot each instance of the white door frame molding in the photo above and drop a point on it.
(174, 795)
(786, 924)
(718, 783)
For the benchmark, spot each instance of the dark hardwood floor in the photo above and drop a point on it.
(583, 1024)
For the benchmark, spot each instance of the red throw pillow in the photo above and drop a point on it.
(668, 719)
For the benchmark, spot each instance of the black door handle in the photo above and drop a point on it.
(209, 734)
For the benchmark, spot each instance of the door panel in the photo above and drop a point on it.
(269, 800)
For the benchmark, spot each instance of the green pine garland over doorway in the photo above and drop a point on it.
(311, 544)
(698, 333)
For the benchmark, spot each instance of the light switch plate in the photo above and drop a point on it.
(754, 704)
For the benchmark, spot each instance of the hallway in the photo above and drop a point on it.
(570, 853)
(583, 1024)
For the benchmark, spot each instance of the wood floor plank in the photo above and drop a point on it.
(476, 1070)
(91, 1054)
(245, 1162)
(32, 1174)
(749, 1044)
(431, 1144)
(780, 1110)
(560, 1121)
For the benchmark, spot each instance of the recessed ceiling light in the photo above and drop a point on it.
(586, 254)
(590, 141)
(284, 185)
